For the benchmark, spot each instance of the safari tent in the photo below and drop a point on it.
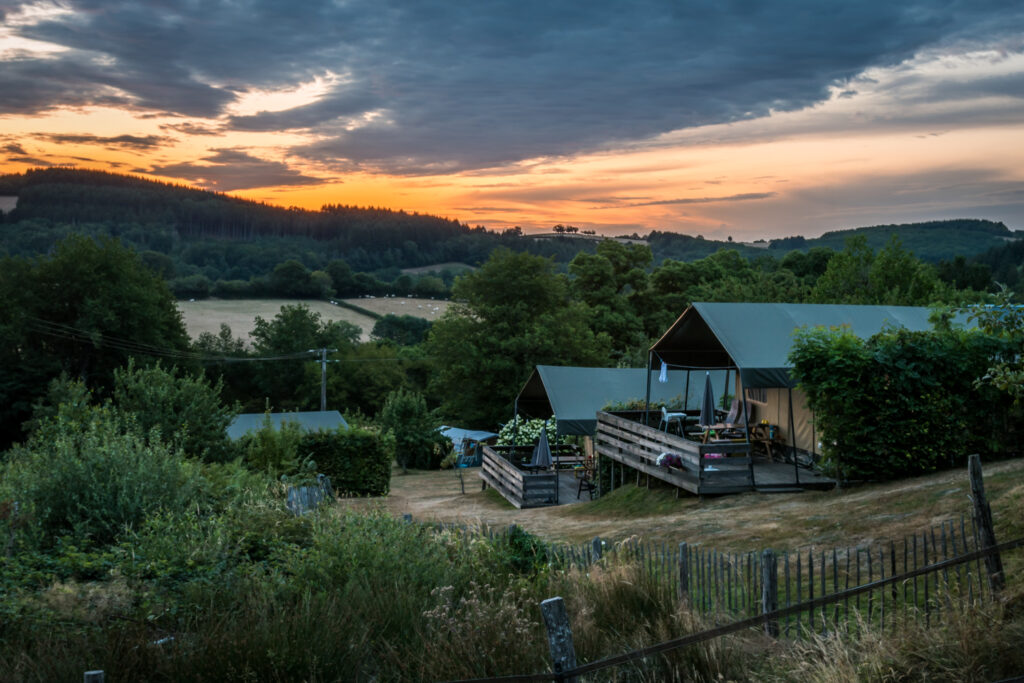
(752, 341)
(574, 395)
(467, 444)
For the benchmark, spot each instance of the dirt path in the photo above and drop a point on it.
(782, 521)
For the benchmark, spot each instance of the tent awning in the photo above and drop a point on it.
(575, 395)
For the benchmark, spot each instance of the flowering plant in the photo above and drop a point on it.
(528, 431)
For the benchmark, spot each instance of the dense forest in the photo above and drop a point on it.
(208, 244)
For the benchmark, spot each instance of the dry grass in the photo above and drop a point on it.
(240, 314)
(742, 522)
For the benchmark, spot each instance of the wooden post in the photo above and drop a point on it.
(556, 621)
(983, 519)
(596, 544)
(684, 573)
(770, 591)
(96, 676)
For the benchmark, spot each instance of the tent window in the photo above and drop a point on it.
(757, 395)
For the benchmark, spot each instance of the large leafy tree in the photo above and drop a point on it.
(515, 312)
(83, 311)
(295, 332)
(893, 276)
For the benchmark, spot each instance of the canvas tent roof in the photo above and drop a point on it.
(458, 435)
(757, 338)
(575, 394)
(308, 421)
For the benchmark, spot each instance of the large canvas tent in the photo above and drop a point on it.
(575, 395)
(754, 340)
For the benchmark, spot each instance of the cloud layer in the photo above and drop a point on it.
(439, 87)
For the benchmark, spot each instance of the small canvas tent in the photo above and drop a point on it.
(575, 395)
(308, 421)
(467, 444)
(755, 341)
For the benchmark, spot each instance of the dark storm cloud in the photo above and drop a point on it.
(125, 141)
(14, 148)
(232, 169)
(427, 87)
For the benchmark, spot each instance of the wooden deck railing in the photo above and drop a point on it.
(718, 467)
(503, 469)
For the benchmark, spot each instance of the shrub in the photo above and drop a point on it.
(414, 428)
(524, 431)
(357, 460)
(270, 450)
(89, 478)
(900, 403)
(186, 409)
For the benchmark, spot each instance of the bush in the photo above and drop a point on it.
(270, 450)
(901, 403)
(524, 431)
(417, 441)
(187, 410)
(358, 461)
(89, 478)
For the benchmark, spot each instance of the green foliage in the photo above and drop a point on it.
(517, 314)
(186, 410)
(519, 431)
(900, 403)
(272, 449)
(414, 428)
(405, 330)
(89, 477)
(357, 460)
(893, 276)
(1003, 320)
(83, 310)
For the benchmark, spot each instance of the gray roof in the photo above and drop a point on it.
(757, 338)
(574, 395)
(308, 421)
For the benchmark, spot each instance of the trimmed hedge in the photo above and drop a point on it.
(358, 461)
(902, 403)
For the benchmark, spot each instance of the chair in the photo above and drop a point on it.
(732, 426)
(668, 418)
(587, 482)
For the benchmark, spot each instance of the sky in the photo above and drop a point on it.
(713, 117)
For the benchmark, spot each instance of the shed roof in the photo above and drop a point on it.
(574, 394)
(308, 421)
(757, 338)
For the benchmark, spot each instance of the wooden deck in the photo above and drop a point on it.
(503, 468)
(708, 469)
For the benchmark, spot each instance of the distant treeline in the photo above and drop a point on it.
(210, 244)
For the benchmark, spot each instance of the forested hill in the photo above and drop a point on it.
(929, 241)
(218, 237)
(63, 195)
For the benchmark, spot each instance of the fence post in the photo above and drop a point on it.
(986, 528)
(684, 573)
(770, 591)
(556, 621)
(596, 545)
(96, 676)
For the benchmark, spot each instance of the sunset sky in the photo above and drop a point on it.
(743, 119)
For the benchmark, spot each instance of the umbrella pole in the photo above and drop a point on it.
(686, 394)
(515, 424)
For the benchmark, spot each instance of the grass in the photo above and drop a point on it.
(206, 315)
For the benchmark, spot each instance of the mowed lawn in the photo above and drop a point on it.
(240, 314)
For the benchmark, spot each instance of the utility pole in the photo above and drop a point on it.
(323, 374)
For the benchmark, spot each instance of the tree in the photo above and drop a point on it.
(83, 311)
(187, 410)
(856, 275)
(296, 330)
(414, 428)
(515, 313)
(405, 330)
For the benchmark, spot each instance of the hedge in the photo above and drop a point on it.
(358, 461)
